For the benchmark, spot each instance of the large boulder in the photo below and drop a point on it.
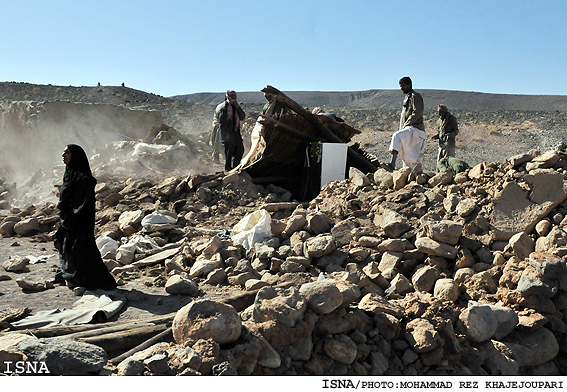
(322, 296)
(286, 306)
(206, 319)
(65, 357)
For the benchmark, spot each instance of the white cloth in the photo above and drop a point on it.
(410, 145)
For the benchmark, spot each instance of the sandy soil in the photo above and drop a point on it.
(146, 295)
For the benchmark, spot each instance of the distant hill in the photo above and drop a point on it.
(390, 99)
(368, 99)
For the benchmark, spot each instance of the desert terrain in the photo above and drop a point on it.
(113, 119)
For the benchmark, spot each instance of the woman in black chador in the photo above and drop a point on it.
(81, 264)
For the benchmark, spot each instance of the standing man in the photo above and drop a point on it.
(409, 142)
(229, 114)
(446, 132)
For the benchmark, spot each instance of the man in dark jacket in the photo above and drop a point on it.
(229, 115)
(446, 132)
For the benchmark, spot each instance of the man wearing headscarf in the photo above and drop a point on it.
(408, 143)
(229, 115)
(446, 132)
(81, 265)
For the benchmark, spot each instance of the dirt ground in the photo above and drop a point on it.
(146, 295)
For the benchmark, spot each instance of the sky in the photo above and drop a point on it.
(187, 46)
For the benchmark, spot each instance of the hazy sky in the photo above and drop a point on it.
(179, 47)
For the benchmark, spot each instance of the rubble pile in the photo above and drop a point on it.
(385, 273)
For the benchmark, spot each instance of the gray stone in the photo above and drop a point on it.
(422, 336)
(178, 285)
(399, 285)
(204, 265)
(27, 227)
(400, 177)
(341, 348)
(379, 363)
(264, 251)
(395, 245)
(286, 306)
(319, 222)
(369, 242)
(16, 264)
(424, 278)
(291, 266)
(186, 356)
(294, 224)
(435, 248)
(157, 364)
(530, 284)
(357, 177)
(446, 290)
(130, 367)
(331, 324)
(465, 207)
(548, 265)
(497, 362)
(322, 296)
(451, 202)
(217, 276)
(445, 231)
(390, 260)
(479, 322)
(441, 178)
(65, 357)
(375, 303)
(255, 284)
(393, 224)
(7, 228)
(319, 246)
(522, 244)
(542, 344)
(350, 291)
(506, 319)
(300, 349)
(517, 209)
(383, 178)
(342, 232)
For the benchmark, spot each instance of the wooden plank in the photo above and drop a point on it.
(325, 131)
(124, 340)
(63, 330)
(162, 336)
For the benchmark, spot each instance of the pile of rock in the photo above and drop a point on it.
(402, 273)
(6, 193)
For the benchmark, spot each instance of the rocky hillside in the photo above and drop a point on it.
(398, 274)
(390, 99)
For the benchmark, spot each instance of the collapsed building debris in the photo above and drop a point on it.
(286, 148)
(381, 274)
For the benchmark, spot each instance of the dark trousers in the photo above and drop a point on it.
(233, 154)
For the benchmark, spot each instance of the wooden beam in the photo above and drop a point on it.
(286, 128)
(124, 340)
(164, 335)
(358, 159)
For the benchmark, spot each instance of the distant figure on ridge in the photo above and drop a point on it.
(228, 115)
(273, 106)
(409, 142)
(446, 132)
(320, 112)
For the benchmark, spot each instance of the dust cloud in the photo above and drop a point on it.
(34, 135)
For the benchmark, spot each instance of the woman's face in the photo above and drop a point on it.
(66, 155)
